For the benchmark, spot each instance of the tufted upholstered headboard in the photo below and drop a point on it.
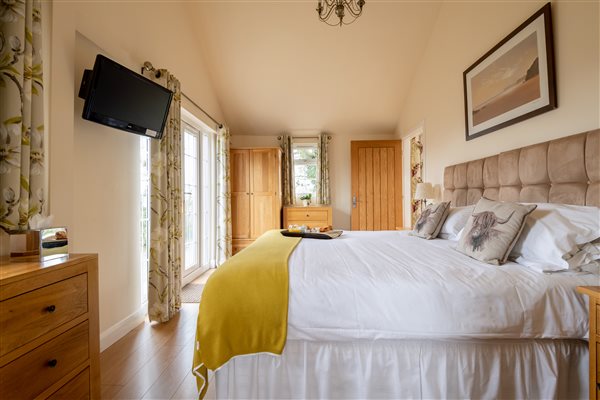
(565, 170)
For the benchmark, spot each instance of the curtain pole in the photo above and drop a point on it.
(149, 67)
(219, 125)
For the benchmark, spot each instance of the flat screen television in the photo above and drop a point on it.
(121, 98)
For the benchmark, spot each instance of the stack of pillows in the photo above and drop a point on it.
(544, 236)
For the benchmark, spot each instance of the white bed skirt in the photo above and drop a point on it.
(429, 369)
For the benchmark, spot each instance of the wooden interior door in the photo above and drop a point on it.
(376, 185)
(240, 193)
(263, 193)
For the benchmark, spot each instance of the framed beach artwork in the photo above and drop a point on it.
(513, 81)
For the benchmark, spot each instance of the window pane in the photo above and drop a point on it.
(306, 174)
(190, 174)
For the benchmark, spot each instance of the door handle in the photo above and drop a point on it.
(354, 201)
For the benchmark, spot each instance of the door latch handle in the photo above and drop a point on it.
(353, 201)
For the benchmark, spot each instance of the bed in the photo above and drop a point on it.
(388, 315)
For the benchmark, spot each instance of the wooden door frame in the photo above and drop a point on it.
(398, 192)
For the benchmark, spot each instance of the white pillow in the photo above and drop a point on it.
(455, 222)
(554, 236)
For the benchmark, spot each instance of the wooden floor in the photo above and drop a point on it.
(154, 361)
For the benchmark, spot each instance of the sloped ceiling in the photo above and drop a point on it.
(277, 68)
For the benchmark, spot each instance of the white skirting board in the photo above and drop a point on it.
(123, 327)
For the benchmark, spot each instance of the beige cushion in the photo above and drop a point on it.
(431, 220)
(493, 229)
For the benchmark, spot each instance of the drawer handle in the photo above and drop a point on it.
(51, 308)
(307, 215)
(52, 363)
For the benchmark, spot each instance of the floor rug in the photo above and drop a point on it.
(191, 293)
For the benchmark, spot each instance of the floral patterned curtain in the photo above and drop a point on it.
(287, 170)
(166, 217)
(323, 189)
(21, 113)
(416, 175)
(223, 196)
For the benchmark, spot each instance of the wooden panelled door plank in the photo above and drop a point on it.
(369, 169)
(362, 188)
(384, 191)
(376, 168)
(376, 190)
(393, 190)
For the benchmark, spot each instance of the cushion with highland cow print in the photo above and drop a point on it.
(493, 229)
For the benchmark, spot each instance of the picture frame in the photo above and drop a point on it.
(514, 81)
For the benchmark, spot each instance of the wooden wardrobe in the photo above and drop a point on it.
(255, 194)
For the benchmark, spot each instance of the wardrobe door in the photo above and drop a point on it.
(264, 188)
(240, 194)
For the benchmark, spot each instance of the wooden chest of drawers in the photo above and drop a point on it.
(49, 333)
(594, 294)
(311, 216)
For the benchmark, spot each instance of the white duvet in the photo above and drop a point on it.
(388, 285)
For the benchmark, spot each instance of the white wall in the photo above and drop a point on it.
(339, 167)
(463, 33)
(94, 173)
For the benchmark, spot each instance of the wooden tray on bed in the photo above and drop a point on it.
(310, 235)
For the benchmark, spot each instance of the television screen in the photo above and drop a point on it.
(118, 97)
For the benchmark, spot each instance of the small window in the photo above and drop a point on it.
(305, 153)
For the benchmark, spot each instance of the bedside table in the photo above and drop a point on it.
(311, 216)
(594, 294)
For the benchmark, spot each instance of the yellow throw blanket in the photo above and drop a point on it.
(244, 305)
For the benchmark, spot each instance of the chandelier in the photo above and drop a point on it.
(342, 8)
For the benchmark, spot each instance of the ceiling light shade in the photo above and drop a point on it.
(424, 191)
(351, 8)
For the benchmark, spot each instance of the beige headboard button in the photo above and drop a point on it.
(565, 170)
